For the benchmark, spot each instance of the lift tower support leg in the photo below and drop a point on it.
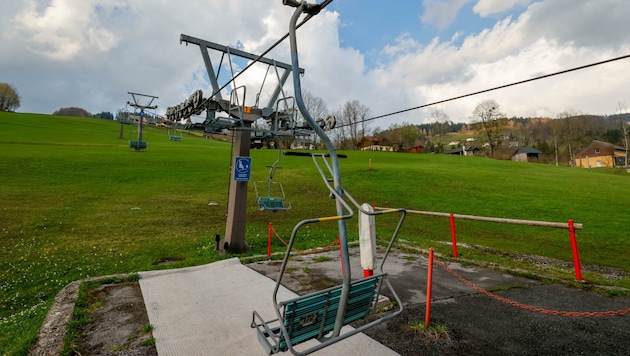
(234, 241)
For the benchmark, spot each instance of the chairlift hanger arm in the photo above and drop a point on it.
(309, 9)
(142, 107)
(148, 96)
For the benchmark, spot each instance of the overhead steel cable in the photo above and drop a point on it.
(488, 90)
(308, 17)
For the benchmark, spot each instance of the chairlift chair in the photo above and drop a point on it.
(271, 202)
(172, 134)
(322, 315)
(235, 113)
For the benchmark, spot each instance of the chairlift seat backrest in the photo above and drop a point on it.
(313, 316)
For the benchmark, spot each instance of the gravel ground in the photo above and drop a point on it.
(479, 325)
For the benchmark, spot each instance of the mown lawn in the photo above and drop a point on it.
(76, 202)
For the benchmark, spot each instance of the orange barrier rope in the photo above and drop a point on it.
(328, 247)
(528, 307)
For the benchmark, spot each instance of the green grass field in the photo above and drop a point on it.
(76, 202)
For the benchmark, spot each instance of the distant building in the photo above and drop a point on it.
(416, 149)
(373, 143)
(601, 154)
(525, 154)
(462, 151)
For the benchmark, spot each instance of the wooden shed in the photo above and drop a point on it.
(525, 154)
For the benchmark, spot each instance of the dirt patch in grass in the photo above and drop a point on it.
(119, 322)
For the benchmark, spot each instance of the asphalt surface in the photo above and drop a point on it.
(484, 311)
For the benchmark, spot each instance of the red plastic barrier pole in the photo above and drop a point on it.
(453, 236)
(269, 234)
(429, 285)
(576, 254)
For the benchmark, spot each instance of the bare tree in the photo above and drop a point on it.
(573, 133)
(351, 124)
(492, 122)
(441, 121)
(625, 125)
(9, 97)
(316, 107)
(556, 128)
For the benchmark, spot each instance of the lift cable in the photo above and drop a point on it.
(488, 90)
(308, 17)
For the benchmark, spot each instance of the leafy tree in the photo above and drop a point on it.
(613, 136)
(402, 136)
(491, 122)
(9, 97)
(105, 115)
(72, 111)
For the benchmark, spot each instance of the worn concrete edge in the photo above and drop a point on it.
(52, 334)
(212, 265)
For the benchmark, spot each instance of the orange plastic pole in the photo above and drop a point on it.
(429, 285)
(453, 236)
(576, 254)
(269, 235)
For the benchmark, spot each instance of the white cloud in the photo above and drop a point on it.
(63, 29)
(441, 13)
(542, 40)
(112, 47)
(491, 7)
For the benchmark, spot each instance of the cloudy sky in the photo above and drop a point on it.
(388, 55)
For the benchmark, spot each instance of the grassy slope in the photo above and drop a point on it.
(76, 201)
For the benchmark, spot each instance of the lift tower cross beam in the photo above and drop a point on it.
(205, 45)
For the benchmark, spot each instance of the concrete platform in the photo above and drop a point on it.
(207, 310)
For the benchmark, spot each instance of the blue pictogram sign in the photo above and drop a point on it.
(242, 168)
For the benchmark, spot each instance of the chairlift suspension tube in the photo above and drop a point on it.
(343, 240)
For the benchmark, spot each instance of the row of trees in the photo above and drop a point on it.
(352, 126)
(80, 112)
(566, 135)
(9, 97)
(562, 138)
